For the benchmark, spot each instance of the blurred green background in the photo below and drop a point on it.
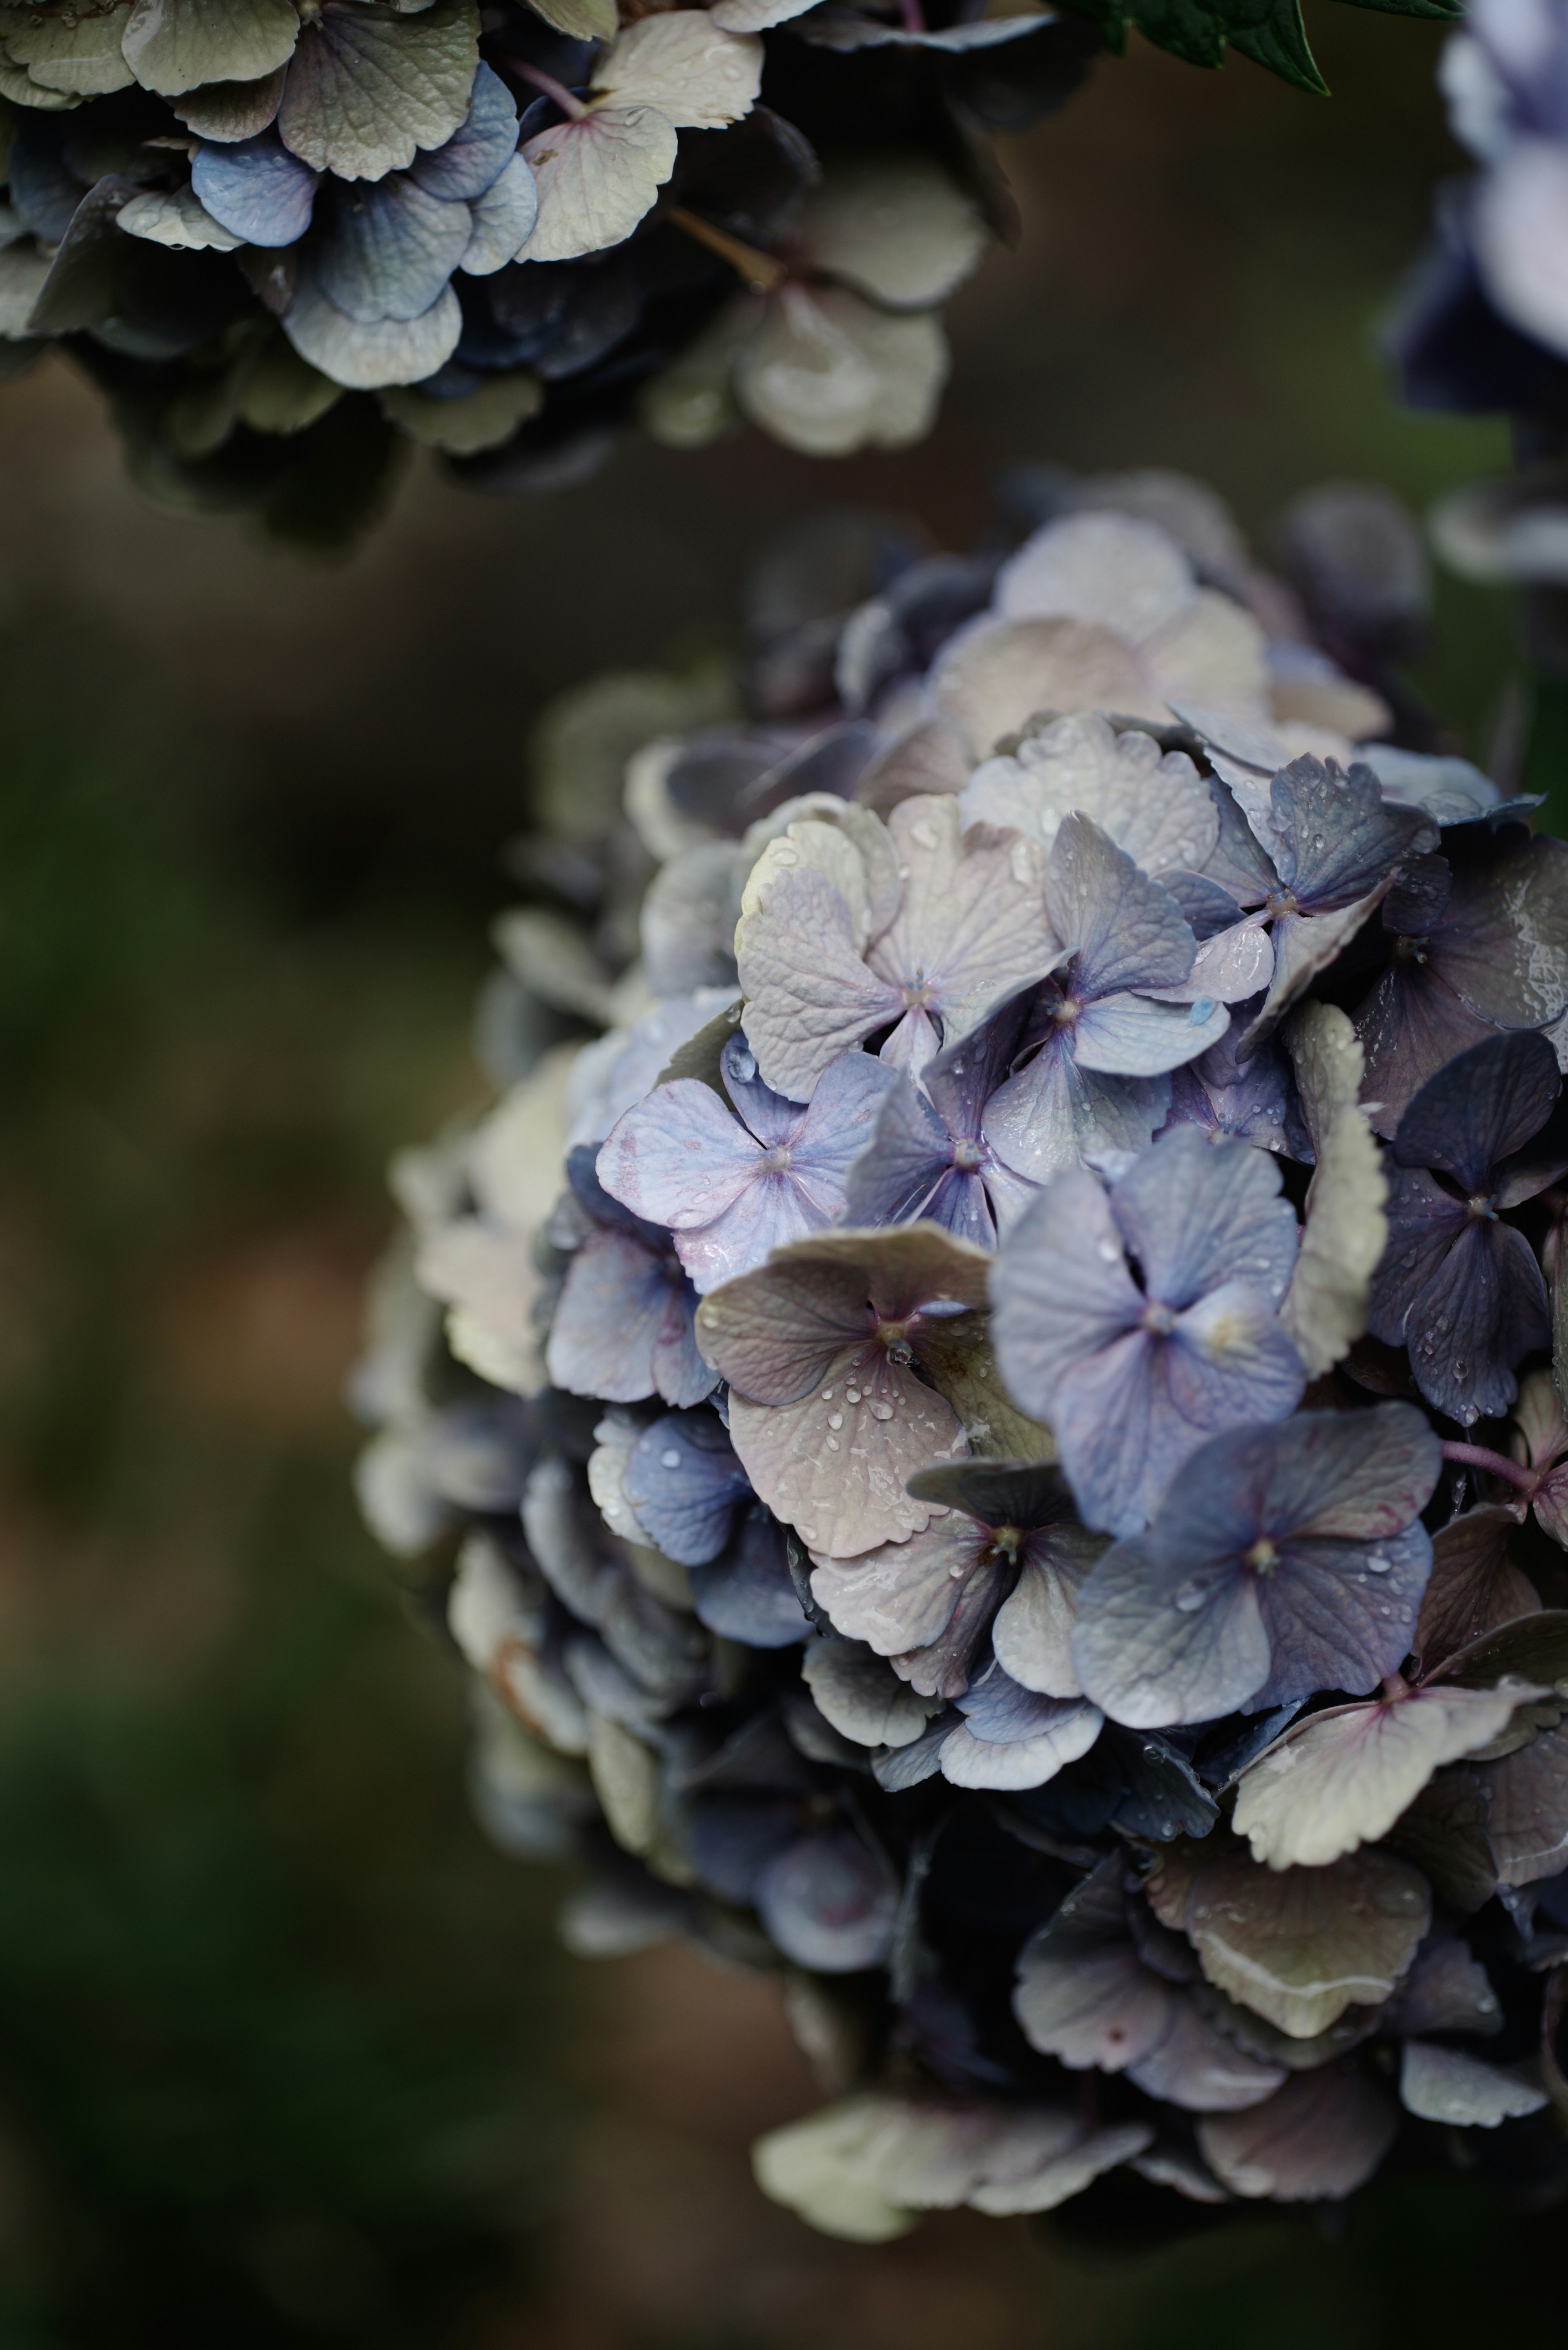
(286, 2052)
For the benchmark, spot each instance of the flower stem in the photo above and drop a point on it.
(572, 108)
(1496, 1464)
(761, 271)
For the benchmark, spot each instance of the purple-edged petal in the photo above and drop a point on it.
(683, 1481)
(1230, 1361)
(809, 996)
(901, 1597)
(971, 927)
(1195, 1216)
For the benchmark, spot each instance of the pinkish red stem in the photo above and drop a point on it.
(573, 107)
(1496, 1464)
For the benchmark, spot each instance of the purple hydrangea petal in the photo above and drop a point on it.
(1338, 838)
(897, 1171)
(841, 1117)
(1121, 929)
(1195, 1216)
(772, 1211)
(1002, 1712)
(829, 1902)
(1065, 1731)
(1229, 1360)
(1424, 1222)
(943, 1667)
(1481, 1107)
(1502, 944)
(1062, 1290)
(1120, 1436)
(679, 1158)
(683, 1481)
(1054, 1116)
(748, 1593)
(1128, 1036)
(734, 1837)
(1341, 1615)
(680, 1373)
(1479, 1313)
(770, 1117)
(612, 1321)
(964, 1076)
(1149, 1660)
(1033, 1629)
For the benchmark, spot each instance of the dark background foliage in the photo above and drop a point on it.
(286, 2052)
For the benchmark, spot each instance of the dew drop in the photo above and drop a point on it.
(881, 1410)
(744, 1067)
(852, 1395)
(923, 835)
(833, 1443)
(669, 1458)
(1378, 1563)
(836, 1419)
(1190, 1597)
(1108, 1252)
(827, 1394)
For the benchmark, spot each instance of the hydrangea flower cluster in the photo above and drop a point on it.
(993, 1440)
(284, 235)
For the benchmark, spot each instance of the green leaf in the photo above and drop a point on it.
(1299, 1946)
(1444, 10)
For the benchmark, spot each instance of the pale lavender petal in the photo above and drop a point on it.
(1128, 1036)
(837, 1127)
(971, 927)
(809, 996)
(898, 1169)
(1196, 1216)
(1053, 1115)
(611, 1322)
(772, 1209)
(772, 1118)
(1230, 1361)
(680, 1374)
(1062, 1289)
(1120, 1436)
(829, 1903)
(901, 1597)
(678, 1158)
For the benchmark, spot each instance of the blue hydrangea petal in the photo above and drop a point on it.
(610, 1317)
(257, 189)
(1229, 1360)
(1128, 1036)
(829, 1903)
(1482, 1310)
(773, 1210)
(680, 1373)
(1149, 1660)
(1196, 1216)
(683, 1481)
(1483, 1108)
(943, 1667)
(479, 150)
(503, 218)
(1033, 1634)
(1121, 929)
(964, 1076)
(838, 1121)
(390, 249)
(748, 1593)
(1341, 1615)
(772, 1118)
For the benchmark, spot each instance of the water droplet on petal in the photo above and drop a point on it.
(669, 1458)
(880, 1410)
(1190, 1597)
(836, 1419)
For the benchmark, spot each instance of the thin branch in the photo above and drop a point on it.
(1496, 1464)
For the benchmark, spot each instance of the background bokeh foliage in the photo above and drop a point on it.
(286, 2052)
